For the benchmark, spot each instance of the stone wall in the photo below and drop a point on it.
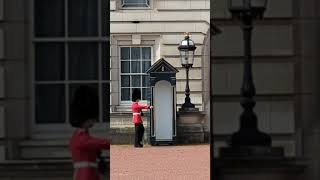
(162, 26)
(122, 129)
(275, 73)
(309, 96)
(14, 119)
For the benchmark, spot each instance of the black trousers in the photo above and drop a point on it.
(139, 131)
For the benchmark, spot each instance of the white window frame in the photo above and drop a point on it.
(126, 103)
(54, 130)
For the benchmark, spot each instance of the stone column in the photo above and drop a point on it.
(259, 168)
(190, 127)
(2, 146)
(309, 92)
(14, 80)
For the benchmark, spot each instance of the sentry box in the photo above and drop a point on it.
(163, 128)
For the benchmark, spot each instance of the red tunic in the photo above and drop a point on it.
(136, 110)
(85, 148)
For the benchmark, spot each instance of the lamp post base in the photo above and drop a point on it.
(250, 137)
(251, 151)
(188, 107)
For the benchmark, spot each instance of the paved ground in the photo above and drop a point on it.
(160, 162)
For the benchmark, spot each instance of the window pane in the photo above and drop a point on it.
(50, 104)
(125, 53)
(145, 81)
(125, 81)
(83, 18)
(49, 61)
(49, 18)
(145, 93)
(135, 66)
(145, 66)
(140, 61)
(135, 3)
(106, 102)
(125, 94)
(105, 61)
(83, 61)
(136, 81)
(146, 53)
(88, 100)
(135, 53)
(125, 66)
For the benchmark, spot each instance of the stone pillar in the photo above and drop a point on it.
(309, 89)
(190, 127)
(2, 125)
(259, 169)
(2, 134)
(14, 82)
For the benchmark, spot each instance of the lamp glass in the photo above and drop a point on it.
(184, 54)
(187, 42)
(187, 57)
(186, 49)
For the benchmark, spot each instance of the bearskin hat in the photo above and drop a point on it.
(84, 106)
(136, 94)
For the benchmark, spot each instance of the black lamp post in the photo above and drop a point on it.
(186, 49)
(248, 134)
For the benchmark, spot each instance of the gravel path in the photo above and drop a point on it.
(190, 162)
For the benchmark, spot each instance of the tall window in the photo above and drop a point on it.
(71, 48)
(135, 3)
(135, 61)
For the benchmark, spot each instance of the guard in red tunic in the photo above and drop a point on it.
(136, 117)
(85, 149)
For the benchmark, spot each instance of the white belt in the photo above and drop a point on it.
(84, 164)
(136, 113)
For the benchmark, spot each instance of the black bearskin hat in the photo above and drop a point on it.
(84, 106)
(136, 94)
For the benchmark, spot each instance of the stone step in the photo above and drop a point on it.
(46, 149)
(38, 170)
(35, 170)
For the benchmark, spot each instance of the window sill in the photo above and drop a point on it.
(135, 8)
(124, 110)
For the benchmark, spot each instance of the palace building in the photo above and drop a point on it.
(48, 48)
(142, 32)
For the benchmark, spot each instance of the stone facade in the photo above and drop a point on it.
(286, 76)
(161, 26)
(23, 143)
(275, 73)
(13, 77)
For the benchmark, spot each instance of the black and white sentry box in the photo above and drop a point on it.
(163, 128)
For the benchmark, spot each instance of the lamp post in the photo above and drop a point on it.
(186, 49)
(248, 134)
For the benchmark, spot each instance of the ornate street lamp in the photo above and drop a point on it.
(248, 134)
(252, 8)
(187, 48)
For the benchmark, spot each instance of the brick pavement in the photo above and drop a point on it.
(191, 162)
